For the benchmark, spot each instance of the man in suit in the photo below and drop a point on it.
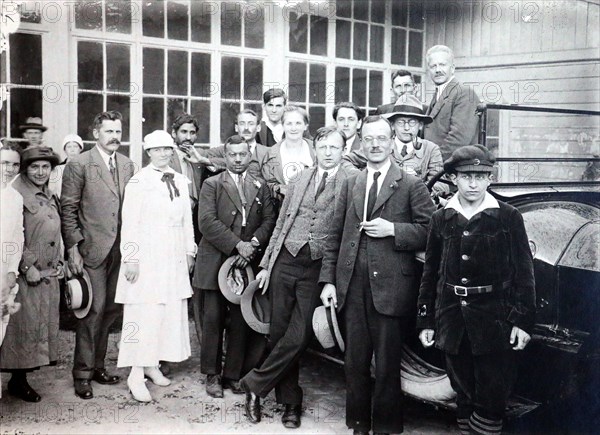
(291, 264)
(348, 118)
(246, 125)
(453, 106)
(92, 194)
(271, 128)
(369, 274)
(403, 83)
(236, 218)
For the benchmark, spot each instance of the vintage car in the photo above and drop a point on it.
(549, 168)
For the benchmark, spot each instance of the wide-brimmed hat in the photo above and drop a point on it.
(72, 138)
(409, 106)
(79, 295)
(326, 328)
(233, 281)
(470, 158)
(158, 139)
(256, 308)
(33, 122)
(33, 154)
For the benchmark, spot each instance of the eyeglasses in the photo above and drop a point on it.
(380, 139)
(403, 123)
(470, 177)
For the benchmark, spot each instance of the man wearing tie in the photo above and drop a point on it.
(453, 106)
(92, 193)
(236, 218)
(369, 274)
(291, 264)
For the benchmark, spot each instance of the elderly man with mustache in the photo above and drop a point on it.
(92, 195)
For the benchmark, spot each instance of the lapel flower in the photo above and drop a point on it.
(257, 184)
(394, 185)
(257, 199)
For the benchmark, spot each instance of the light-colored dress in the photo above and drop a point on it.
(31, 339)
(157, 233)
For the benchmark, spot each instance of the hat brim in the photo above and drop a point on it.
(425, 119)
(473, 168)
(247, 307)
(337, 334)
(232, 297)
(53, 159)
(322, 329)
(84, 279)
(32, 127)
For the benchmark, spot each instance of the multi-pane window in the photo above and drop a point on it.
(104, 83)
(241, 88)
(407, 33)
(21, 76)
(108, 16)
(308, 87)
(242, 24)
(175, 81)
(179, 20)
(359, 30)
(308, 34)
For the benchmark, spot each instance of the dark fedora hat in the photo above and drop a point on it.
(409, 106)
(233, 281)
(326, 327)
(256, 308)
(79, 295)
(470, 158)
(33, 122)
(33, 154)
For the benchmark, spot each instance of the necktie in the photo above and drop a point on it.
(403, 153)
(372, 195)
(321, 187)
(113, 171)
(240, 187)
(168, 178)
(433, 100)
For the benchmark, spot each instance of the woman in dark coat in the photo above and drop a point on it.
(31, 338)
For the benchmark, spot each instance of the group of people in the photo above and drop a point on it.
(333, 220)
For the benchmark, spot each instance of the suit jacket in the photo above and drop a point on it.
(402, 200)
(356, 144)
(197, 173)
(455, 121)
(289, 211)
(220, 221)
(91, 204)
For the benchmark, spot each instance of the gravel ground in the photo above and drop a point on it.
(184, 407)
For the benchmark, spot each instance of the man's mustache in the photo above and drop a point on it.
(115, 141)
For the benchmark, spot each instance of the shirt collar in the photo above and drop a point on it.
(169, 169)
(105, 157)
(330, 172)
(234, 177)
(384, 170)
(488, 202)
(442, 87)
(400, 144)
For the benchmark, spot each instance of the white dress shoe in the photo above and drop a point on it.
(156, 376)
(138, 390)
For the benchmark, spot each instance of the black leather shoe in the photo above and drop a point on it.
(291, 416)
(102, 377)
(252, 405)
(83, 388)
(234, 386)
(213, 386)
(23, 391)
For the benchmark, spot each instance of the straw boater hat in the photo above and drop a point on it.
(73, 138)
(233, 281)
(409, 106)
(33, 154)
(158, 139)
(33, 122)
(78, 295)
(470, 158)
(326, 328)
(256, 308)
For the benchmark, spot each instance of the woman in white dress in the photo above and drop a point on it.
(158, 250)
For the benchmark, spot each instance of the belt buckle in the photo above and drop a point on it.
(460, 290)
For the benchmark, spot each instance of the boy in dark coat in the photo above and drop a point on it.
(477, 295)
